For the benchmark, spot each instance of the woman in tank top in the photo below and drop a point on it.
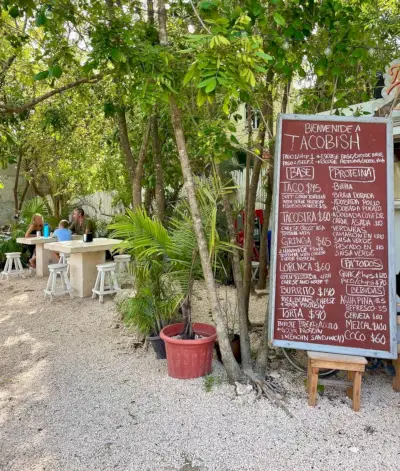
(35, 226)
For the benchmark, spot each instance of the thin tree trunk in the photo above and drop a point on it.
(23, 196)
(262, 271)
(262, 355)
(150, 12)
(249, 155)
(286, 93)
(162, 23)
(16, 182)
(266, 110)
(160, 196)
(137, 187)
(125, 144)
(245, 349)
(37, 190)
(231, 365)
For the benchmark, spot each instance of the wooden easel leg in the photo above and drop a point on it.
(308, 376)
(312, 392)
(350, 377)
(357, 391)
(396, 379)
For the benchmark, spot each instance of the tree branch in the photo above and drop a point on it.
(19, 109)
(22, 199)
(387, 109)
(199, 18)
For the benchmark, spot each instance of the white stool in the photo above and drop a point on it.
(68, 265)
(52, 289)
(122, 263)
(254, 267)
(12, 258)
(100, 288)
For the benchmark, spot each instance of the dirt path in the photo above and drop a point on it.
(74, 395)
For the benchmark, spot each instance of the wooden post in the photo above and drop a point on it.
(357, 391)
(396, 379)
(312, 393)
(350, 377)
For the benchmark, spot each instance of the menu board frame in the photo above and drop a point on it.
(391, 352)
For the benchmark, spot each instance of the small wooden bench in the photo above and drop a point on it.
(354, 366)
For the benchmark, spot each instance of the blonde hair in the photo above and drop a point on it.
(64, 223)
(36, 215)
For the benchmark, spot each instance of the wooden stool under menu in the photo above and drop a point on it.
(354, 365)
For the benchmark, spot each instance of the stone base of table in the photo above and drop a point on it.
(83, 271)
(43, 260)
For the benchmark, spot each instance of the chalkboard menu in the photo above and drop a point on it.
(332, 268)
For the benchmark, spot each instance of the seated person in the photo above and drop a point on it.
(82, 224)
(35, 226)
(63, 234)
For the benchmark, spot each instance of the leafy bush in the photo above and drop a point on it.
(8, 243)
(34, 206)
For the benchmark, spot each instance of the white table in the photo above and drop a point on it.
(43, 257)
(83, 260)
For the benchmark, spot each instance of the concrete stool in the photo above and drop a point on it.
(63, 258)
(12, 258)
(51, 288)
(355, 367)
(101, 288)
(68, 260)
(122, 263)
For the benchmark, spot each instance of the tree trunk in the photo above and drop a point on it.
(286, 93)
(22, 199)
(262, 271)
(148, 197)
(16, 182)
(267, 110)
(263, 349)
(137, 180)
(160, 196)
(37, 190)
(124, 142)
(231, 366)
(150, 12)
(245, 349)
(162, 23)
(249, 156)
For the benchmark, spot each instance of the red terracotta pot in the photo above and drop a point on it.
(189, 358)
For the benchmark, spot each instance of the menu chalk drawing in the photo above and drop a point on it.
(332, 267)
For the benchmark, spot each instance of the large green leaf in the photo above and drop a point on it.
(211, 85)
(264, 56)
(14, 11)
(55, 71)
(42, 75)
(279, 19)
(40, 19)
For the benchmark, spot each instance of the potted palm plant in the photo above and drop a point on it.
(171, 257)
(156, 299)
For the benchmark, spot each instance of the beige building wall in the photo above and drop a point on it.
(7, 177)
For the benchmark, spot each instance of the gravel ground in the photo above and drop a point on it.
(76, 395)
